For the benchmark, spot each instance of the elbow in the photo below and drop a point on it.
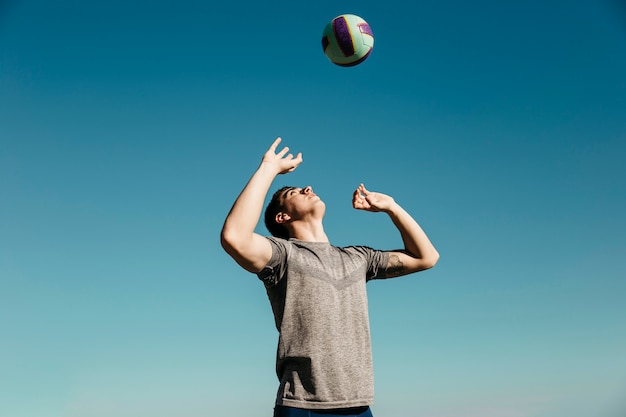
(431, 260)
(224, 241)
(233, 242)
(228, 240)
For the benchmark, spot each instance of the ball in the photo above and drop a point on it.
(347, 40)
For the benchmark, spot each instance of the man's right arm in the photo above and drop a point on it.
(249, 249)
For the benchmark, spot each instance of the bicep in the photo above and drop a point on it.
(401, 263)
(252, 255)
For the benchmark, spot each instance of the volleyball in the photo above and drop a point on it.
(347, 40)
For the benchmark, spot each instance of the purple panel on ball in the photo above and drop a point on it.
(343, 36)
(365, 28)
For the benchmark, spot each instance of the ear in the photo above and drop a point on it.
(282, 218)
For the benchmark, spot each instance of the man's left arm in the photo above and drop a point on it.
(419, 253)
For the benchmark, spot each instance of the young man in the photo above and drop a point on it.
(317, 290)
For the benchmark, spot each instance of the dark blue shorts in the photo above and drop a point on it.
(282, 411)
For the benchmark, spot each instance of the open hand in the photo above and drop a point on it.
(282, 163)
(362, 199)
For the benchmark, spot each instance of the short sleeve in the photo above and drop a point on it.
(377, 265)
(275, 269)
(376, 260)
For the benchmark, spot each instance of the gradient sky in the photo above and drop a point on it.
(128, 128)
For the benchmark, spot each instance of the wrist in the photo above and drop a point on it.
(268, 168)
(393, 210)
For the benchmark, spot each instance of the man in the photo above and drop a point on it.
(317, 290)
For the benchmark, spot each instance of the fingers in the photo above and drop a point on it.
(283, 161)
(275, 144)
(359, 199)
(360, 192)
(293, 163)
(290, 157)
(284, 151)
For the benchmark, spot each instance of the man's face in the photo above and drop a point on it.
(300, 201)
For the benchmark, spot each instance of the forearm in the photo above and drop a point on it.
(416, 242)
(246, 211)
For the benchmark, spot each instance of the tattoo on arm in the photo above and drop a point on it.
(395, 268)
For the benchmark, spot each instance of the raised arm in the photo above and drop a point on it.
(419, 253)
(248, 249)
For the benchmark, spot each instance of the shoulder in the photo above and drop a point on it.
(360, 249)
(367, 253)
(275, 268)
(279, 245)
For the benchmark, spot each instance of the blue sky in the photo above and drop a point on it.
(127, 129)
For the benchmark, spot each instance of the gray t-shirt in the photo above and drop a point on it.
(318, 296)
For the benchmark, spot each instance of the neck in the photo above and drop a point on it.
(308, 231)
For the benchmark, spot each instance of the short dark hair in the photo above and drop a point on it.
(274, 207)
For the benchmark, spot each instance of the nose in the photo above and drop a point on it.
(307, 189)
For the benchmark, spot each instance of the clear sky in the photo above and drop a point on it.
(128, 128)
